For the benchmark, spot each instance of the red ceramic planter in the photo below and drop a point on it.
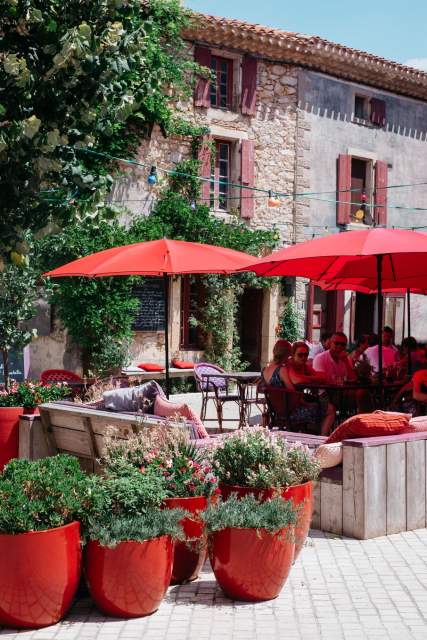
(129, 580)
(9, 434)
(39, 575)
(300, 494)
(232, 553)
(189, 556)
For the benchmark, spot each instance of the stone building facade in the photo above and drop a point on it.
(291, 114)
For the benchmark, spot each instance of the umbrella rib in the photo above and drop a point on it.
(392, 266)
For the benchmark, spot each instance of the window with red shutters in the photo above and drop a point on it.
(247, 202)
(221, 176)
(343, 190)
(249, 73)
(204, 157)
(380, 192)
(202, 55)
(378, 112)
(221, 87)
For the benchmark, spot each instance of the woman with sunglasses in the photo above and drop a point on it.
(311, 408)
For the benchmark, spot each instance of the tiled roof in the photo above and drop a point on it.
(308, 51)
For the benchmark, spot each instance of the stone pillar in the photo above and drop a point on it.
(269, 321)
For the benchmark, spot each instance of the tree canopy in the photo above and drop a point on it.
(74, 76)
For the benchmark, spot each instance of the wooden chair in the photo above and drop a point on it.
(216, 389)
(281, 403)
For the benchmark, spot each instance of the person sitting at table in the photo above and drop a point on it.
(271, 374)
(418, 356)
(299, 371)
(390, 351)
(361, 345)
(335, 363)
(305, 410)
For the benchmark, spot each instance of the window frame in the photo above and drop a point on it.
(216, 175)
(229, 62)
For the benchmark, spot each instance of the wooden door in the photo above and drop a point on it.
(250, 322)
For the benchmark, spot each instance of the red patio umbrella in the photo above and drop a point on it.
(156, 258)
(380, 258)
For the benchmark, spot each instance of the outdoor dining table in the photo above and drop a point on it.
(243, 381)
(337, 391)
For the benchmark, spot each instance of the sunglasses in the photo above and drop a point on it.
(302, 354)
(340, 343)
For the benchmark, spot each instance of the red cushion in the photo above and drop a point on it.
(150, 366)
(365, 425)
(181, 364)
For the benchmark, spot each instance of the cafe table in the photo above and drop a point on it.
(244, 381)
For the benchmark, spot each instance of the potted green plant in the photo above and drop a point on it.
(19, 398)
(189, 484)
(40, 550)
(129, 554)
(251, 545)
(255, 461)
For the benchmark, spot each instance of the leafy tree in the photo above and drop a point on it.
(76, 76)
(18, 293)
(288, 322)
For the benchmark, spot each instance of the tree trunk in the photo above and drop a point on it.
(5, 355)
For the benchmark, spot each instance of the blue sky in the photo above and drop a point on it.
(393, 29)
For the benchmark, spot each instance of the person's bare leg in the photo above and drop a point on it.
(328, 421)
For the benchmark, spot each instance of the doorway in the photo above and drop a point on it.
(364, 315)
(250, 324)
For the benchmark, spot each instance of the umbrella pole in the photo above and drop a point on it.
(380, 325)
(408, 298)
(166, 300)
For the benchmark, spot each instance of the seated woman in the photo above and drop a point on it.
(271, 374)
(418, 356)
(310, 410)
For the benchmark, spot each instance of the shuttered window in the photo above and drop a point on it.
(247, 202)
(249, 73)
(192, 301)
(221, 176)
(343, 189)
(221, 88)
(204, 158)
(380, 192)
(202, 56)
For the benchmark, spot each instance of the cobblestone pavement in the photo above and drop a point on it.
(338, 589)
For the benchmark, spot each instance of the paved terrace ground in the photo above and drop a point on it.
(339, 589)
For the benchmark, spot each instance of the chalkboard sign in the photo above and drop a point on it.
(151, 313)
(16, 366)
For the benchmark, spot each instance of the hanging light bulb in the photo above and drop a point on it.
(273, 201)
(152, 178)
(193, 204)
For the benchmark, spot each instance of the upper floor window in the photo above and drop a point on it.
(369, 110)
(221, 88)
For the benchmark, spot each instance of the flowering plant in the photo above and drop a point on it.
(185, 470)
(30, 394)
(253, 457)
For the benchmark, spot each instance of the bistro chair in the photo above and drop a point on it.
(215, 388)
(281, 403)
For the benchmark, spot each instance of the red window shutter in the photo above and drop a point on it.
(205, 169)
(380, 194)
(247, 202)
(249, 70)
(343, 192)
(202, 55)
(378, 112)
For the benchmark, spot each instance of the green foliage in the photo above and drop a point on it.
(98, 313)
(253, 457)
(18, 293)
(168, 453)
(126, 505)
(29, 394)
(288, 323)
(95, 74)
(41, 494)
(248, 513)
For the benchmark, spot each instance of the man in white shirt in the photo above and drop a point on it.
(335, 362)
(390, 352)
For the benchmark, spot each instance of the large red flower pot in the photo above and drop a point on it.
(190, 555)
(39, 575)
(251, 564)
(129, 580)
(302, 497)
(300, 494)
(9, 433)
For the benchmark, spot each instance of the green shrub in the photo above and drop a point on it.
(41, 494)
(127, 506)
(249, 513)
(254, 457)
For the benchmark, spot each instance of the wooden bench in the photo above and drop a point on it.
(379, 490)
(76, 429)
